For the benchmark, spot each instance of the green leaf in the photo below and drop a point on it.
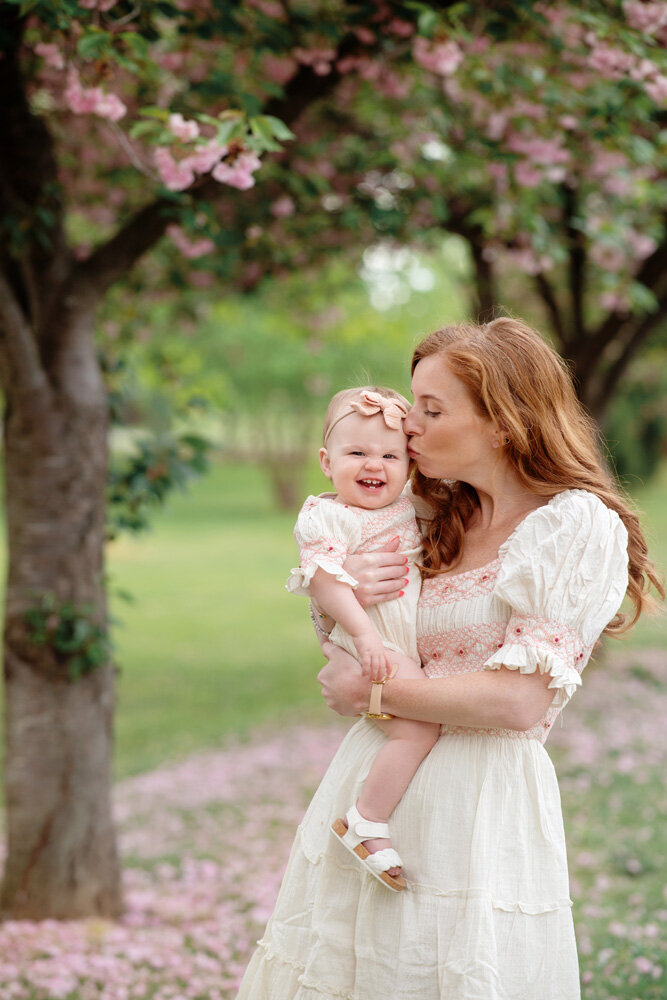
(94, 44)
(277, 127)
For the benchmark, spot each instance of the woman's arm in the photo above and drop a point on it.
(485, 699)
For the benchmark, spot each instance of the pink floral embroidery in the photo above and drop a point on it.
(461, 650)
(332, 549)
(544, 634)
(449, 588)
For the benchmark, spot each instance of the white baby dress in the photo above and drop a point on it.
(327, 531)
(487, 913)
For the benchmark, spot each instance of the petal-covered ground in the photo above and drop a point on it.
(205, 843)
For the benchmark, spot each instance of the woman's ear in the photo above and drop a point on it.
(325, 462)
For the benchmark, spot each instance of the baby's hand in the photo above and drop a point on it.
(373, 657)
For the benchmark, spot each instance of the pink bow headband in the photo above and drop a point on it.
(393, 410)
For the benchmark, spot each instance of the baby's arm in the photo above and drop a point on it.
(337, 599)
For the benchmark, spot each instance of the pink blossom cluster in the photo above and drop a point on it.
(320, 60)
(98, 4)
(442, 58)
(92, 100)
(51, 54)
(648, 17)
(184, 130)
(189, 248)
(179, 174)
(619, 64)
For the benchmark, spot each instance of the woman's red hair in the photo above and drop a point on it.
(525, 388)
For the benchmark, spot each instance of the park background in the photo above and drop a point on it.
(219, 351)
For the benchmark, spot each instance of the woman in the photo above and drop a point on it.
(528, 552)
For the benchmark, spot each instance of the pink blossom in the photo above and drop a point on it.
(657, 88)
(527, 175)
(568, 122)
(365, 35)
(270, 8)
(642, 246)
(319, 59)
(496, 123)
(189, 248)
(608, 257)
(647, 17)
(204, 158)
(97, 4)
(171, 61)
(182, 129)
(175, 176)
(546, 152)
(278, 69)
(442, 58)
(613, 64)
(283, 207)
(400, 28)
(51, 54)
(239, 173)
(92, 100)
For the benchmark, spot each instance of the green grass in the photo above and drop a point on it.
(212, 643)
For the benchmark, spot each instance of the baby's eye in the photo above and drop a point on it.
(389, 456)
(356, 453)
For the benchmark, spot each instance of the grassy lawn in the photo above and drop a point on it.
(212, 643)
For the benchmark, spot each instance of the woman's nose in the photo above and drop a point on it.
(410, 424)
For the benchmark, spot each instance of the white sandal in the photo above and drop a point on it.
(377, 864)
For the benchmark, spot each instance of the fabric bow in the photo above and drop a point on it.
(393, 410)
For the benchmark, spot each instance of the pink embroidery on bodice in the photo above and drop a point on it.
(377, 528)
(464, 648)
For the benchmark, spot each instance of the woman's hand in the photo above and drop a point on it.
(344, 688)
(381, 574)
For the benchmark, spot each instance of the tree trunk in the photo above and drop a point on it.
(62, 860)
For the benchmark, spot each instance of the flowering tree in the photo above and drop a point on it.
(530, 130)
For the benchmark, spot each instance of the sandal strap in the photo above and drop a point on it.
(382, 861)
(365, 829)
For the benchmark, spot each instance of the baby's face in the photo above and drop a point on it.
(366, 461)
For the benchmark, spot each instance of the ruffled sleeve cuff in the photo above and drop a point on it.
(532, 644)
(329, 560)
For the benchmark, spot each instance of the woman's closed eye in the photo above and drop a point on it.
(432, 413)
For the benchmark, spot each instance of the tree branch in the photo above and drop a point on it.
(548, 296)
(651, 273)
(576, 269)
(637, 338)
(21, 365)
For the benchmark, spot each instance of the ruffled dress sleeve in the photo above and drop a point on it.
(564, 574)
(326, 532)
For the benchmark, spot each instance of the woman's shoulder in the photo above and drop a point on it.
(571, 516)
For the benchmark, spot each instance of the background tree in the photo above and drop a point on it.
(124, 123)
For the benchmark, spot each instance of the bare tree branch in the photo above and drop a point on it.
(651, 273)
(548, 296)
(576, 269)
(20, 355)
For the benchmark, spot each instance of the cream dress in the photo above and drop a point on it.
(487, 913)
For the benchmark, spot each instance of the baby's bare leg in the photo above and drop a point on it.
(394, 767)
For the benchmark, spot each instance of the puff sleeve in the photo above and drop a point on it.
(564, 574)
(326, 532)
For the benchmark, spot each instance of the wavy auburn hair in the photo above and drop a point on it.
(526, 389)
